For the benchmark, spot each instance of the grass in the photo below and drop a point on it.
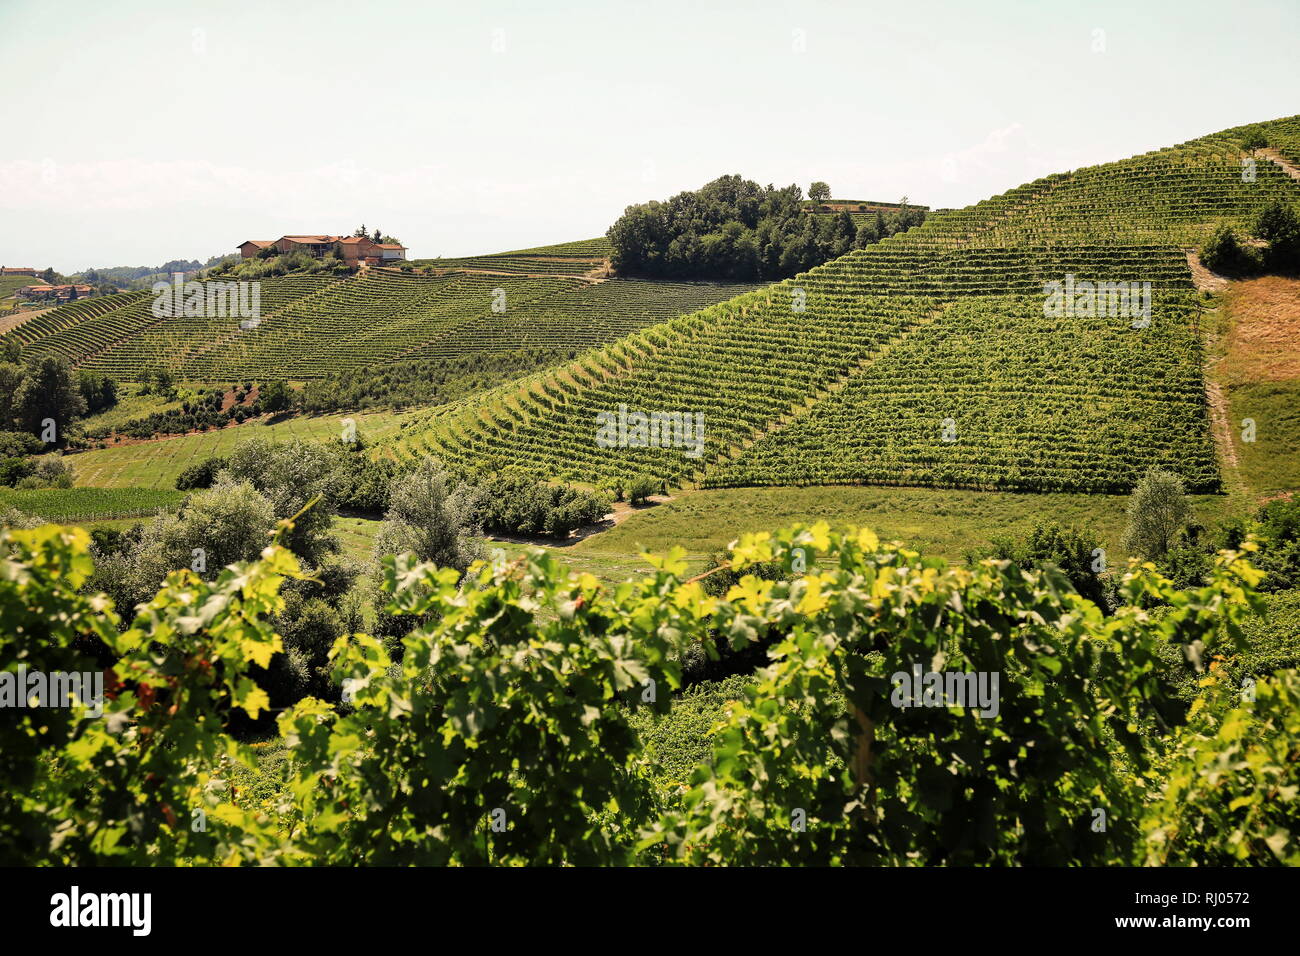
(1270, 465)
(938, 522)
(1257, 366)
(155, 464)
(357, 535)
(130, 405)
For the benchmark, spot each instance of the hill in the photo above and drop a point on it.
(931, 358)
(311, 327)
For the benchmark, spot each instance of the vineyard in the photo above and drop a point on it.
(930, 358)
(515, 728)
(89, 504)
(313, 326)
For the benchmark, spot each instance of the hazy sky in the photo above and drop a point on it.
(132, 132)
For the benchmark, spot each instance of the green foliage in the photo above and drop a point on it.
(275, 396)
(292, 475)
(1074, 552)
(1225, 254)
(431, 516)
(1157, 513)
(226, 523)
(1278, 225)
(19, 444)
(49, 392)
(1254, 138)
(48, 471)
(201, 475)
(129, 787)
(514, 501)
(99, 391)
(640, 488)
(517, 727)
(878, 784)
(1231, 793)
(734, 229)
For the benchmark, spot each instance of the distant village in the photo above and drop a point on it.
(43, 289)
(353, 251)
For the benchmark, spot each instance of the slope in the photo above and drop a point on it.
(928, 358)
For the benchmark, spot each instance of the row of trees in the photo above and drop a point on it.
(733, 229)
(41, 400)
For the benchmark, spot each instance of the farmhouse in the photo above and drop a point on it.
(64, 293)
(351, 249)
(17, 271)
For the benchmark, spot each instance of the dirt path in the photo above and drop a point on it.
(1219, 423)
(1287, 167)
(1203, 278)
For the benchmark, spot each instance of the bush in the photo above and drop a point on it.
(201, 475)
(1075, 553)
(639, 489)
(1278, 225)
(49, 471)
(1224, 254)
(14, 470)
(19, 444)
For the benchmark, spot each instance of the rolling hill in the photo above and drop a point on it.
(312, 326)
(927, 359)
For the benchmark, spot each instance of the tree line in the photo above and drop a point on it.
(736, 230)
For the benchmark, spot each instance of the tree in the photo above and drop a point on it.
(1277, 225)
(50, 392)
(99, 391)
(228, 522)
(1157, 512)
(430, 518)
(819, 192)
(12, 375)
(275, 396)
(292, 475)
(1224, 254)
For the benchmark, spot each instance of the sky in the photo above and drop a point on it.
(135, 132)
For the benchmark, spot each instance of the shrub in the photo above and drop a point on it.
(1224, 254)
(201, 475)
(640, 488)
(1278, 225)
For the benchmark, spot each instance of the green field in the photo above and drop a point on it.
(155, 464)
